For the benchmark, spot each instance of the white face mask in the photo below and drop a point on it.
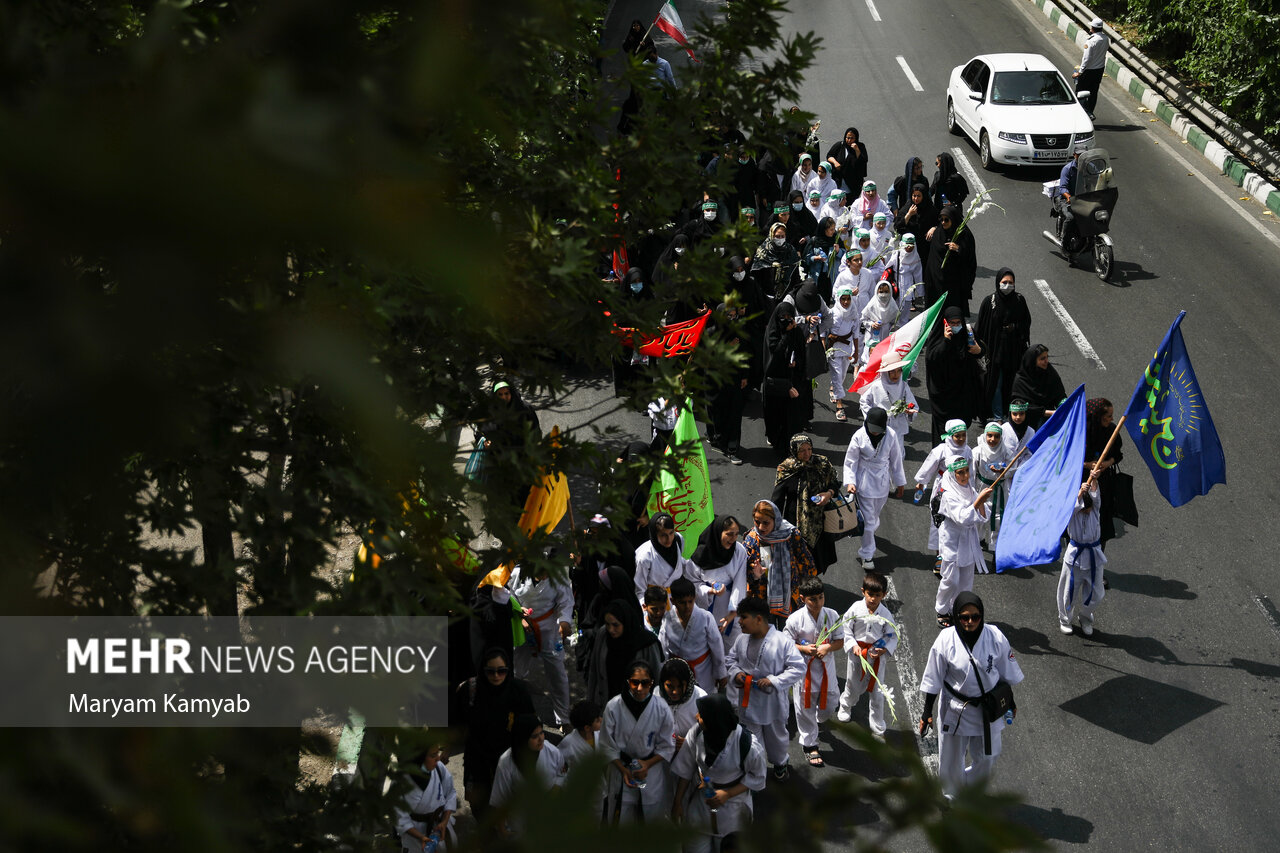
(1006, 287)
(778, 241)
(637, 286)
(739, 275)
(708, 215)
(679, 250)
(884, 298)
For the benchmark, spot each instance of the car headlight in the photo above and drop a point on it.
(1085, 140)
(1020, 138)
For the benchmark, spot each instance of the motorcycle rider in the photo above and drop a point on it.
(1062, 195)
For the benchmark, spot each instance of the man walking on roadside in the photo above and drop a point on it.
(1092, 64)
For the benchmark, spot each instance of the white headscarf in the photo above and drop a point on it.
(825, 186)
(883, 312)
(844, 319)
(906, 263)
(952, 486)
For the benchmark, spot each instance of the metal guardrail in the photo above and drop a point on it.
(1244, 144)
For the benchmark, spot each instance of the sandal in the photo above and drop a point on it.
(815, 760)
(937, 566)
(840, 415)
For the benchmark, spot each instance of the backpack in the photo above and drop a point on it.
(935, 507)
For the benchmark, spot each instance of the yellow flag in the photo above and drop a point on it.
(547, 503)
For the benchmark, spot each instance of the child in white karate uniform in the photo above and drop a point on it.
(548, 609)
(962, 511)
(636, 739)
(890, 392)
(842, 344)
(691, 634)
(813, 630)
(1017, 432)
(879, 319)
(1080, 586)
(429, 804)
(872, 468)
(763, 665)
(870, 635)
(954, 444)
(906, 264)
(990, 458)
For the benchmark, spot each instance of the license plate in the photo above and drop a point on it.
(1049, 155)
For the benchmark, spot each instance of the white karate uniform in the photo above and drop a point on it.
(552, 603)
(959, 723)
(825, 187)
(764, 712)
(803, 629)
(958, 543)
(575, 750)
(683, 716)
(885, 395)
(639, 739)
(872, 313)
(985, 460)
(549, 770)
(733, 576)
(699, 643)
(653, 570)
(1080, 584)
(831, 208)
(875, 471)
(724, 770)
(439, 792)
(931, 471)
(860, 634)
(882, 239)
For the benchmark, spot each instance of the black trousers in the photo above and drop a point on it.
(1089, 81)
(725, 427)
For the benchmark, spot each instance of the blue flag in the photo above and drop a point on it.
(1171, 427)
(1044, 491)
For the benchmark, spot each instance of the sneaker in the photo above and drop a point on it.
(732, 457)
(1066, 629)
(782, 773)
(843, 716)
(868, 564)
(1086, 628)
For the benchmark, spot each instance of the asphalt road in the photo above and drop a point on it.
(1158, 732)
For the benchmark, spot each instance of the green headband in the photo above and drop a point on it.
(500, 386)
(954, 431)
(1019, 407)
(748, 211)
(958, 464)
(994, 426)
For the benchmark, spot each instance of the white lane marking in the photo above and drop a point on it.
(909, 681)
(906, 69)
(1077, 336)
(875, 16)
(975, 183)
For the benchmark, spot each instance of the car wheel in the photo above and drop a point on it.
(952, 127)
(984, 153)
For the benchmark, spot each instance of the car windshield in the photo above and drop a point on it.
(1036, 88)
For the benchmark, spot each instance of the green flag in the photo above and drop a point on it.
(686, 496)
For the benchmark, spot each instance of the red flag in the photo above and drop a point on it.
(679, 339)
(620, 262)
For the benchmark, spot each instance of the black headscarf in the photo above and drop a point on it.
(968, 636)
(711, 554)
(1004, 324)
(719, 719)
(947, 271)
(780, 342)
(876, 417)
(522, 728)
(670, 553)
(951, 371)
(679, 670)
(1041, 387)
(1096, 435)
(622, 651)
(636, 275)
(902, 185)
(949, 182)
(632, 704)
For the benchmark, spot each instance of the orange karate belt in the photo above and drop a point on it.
(875, 664)
(537, 631)
(822, 686)
(746, 692)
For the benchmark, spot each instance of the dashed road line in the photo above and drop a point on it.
(1268, 610)
(1077, 336)
(875, 15)
(975, 183)
(906, 69)
(909, 681)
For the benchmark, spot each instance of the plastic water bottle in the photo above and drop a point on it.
(1008, 717)
(919, 495)
(708, 791)
(633, 767)
(432, 842)
(815, 498)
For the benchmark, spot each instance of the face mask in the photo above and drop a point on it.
(637, 286)
(1006, 287)
(679, 250)
(709, 215)
(743, 160)
(797, 206)
(884, 298)
(778, 241)
(739, 275)
(955, 330)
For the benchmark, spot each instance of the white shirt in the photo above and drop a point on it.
(1095, 52)
(779, 661)
(691, 642)
(949, 663)
(874, 470)
(803, 629)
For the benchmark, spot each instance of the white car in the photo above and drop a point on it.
(1018, 108)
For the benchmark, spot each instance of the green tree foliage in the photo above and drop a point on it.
(1230, 48)
(256, 260)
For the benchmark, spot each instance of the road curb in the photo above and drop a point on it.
(1237, 171)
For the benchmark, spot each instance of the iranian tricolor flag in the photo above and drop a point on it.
(903, 346)
(669, 22)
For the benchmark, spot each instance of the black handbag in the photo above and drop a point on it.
(1123, 506)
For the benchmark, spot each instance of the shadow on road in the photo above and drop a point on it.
(1138, 708)
(1052, 824)
(1150, 585)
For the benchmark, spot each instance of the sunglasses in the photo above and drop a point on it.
(969, 617)
(640, 682)
(496, 670)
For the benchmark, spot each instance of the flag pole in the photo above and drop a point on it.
(1000, 476)
(1093, 475)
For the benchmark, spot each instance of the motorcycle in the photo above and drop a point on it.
(1093, 200)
